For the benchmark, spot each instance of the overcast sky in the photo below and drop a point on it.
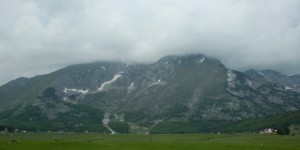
(40, 36)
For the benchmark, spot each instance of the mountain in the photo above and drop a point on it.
(109, 96)
(289, 82)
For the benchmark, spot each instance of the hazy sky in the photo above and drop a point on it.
(40, 36)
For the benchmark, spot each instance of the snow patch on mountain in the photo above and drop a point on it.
(262, 74)
(74, 91)
(103, 68)
(201, 60)
(130, 88)
(78, 93)
(115, 78)
(288, 88)
(249, 83)
(230, 78)
(158, 82)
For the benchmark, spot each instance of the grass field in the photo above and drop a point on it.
(95, 141)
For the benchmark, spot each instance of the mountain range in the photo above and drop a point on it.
(289, 82)
(118, 97)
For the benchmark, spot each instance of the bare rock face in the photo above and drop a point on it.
(184, 88)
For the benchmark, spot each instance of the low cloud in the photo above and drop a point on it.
(38, 37)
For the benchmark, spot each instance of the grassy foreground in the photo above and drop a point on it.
(94, 141)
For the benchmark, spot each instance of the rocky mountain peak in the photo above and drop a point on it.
(180, 88)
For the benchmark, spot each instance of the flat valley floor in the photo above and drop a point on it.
(96, 141)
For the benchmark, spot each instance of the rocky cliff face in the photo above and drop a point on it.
(177, 88)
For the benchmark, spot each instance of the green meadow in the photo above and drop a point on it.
(95, 141)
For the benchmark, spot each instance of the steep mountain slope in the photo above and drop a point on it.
(289, 82)
(189, 88)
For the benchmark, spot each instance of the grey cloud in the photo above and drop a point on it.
(41, 36)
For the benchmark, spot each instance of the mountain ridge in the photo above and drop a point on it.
(290, 82)
(175, 88)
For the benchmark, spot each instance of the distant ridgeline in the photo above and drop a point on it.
(176, 94)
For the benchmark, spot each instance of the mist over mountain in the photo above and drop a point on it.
(188, 88)
(44, 36)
